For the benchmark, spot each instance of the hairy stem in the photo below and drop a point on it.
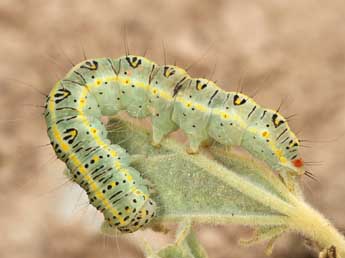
(313, 225)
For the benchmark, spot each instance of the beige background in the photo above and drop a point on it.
(292, 51)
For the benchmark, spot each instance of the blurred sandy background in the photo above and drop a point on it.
(293, 50)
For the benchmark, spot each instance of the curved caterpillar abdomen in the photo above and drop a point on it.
(174, 100)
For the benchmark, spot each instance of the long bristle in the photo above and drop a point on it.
(311, 175)
(313, 163)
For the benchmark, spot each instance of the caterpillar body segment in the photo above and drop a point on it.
(227, 124)
(105, 86)
(164, 86)
(192, 110)
(133, 81)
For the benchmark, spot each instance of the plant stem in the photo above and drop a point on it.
(314, 226)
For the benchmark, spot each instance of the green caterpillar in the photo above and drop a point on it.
(174, 100)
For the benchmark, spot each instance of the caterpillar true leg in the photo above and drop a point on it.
(288, 180)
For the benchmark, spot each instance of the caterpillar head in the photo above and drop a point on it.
(291, 170)
(294, 167)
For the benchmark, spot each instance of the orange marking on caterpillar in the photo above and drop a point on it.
(298, 163)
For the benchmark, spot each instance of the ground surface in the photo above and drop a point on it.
(293, 50)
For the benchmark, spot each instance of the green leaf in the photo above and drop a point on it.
(220, 186)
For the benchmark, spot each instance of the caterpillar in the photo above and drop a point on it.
(173, 99)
